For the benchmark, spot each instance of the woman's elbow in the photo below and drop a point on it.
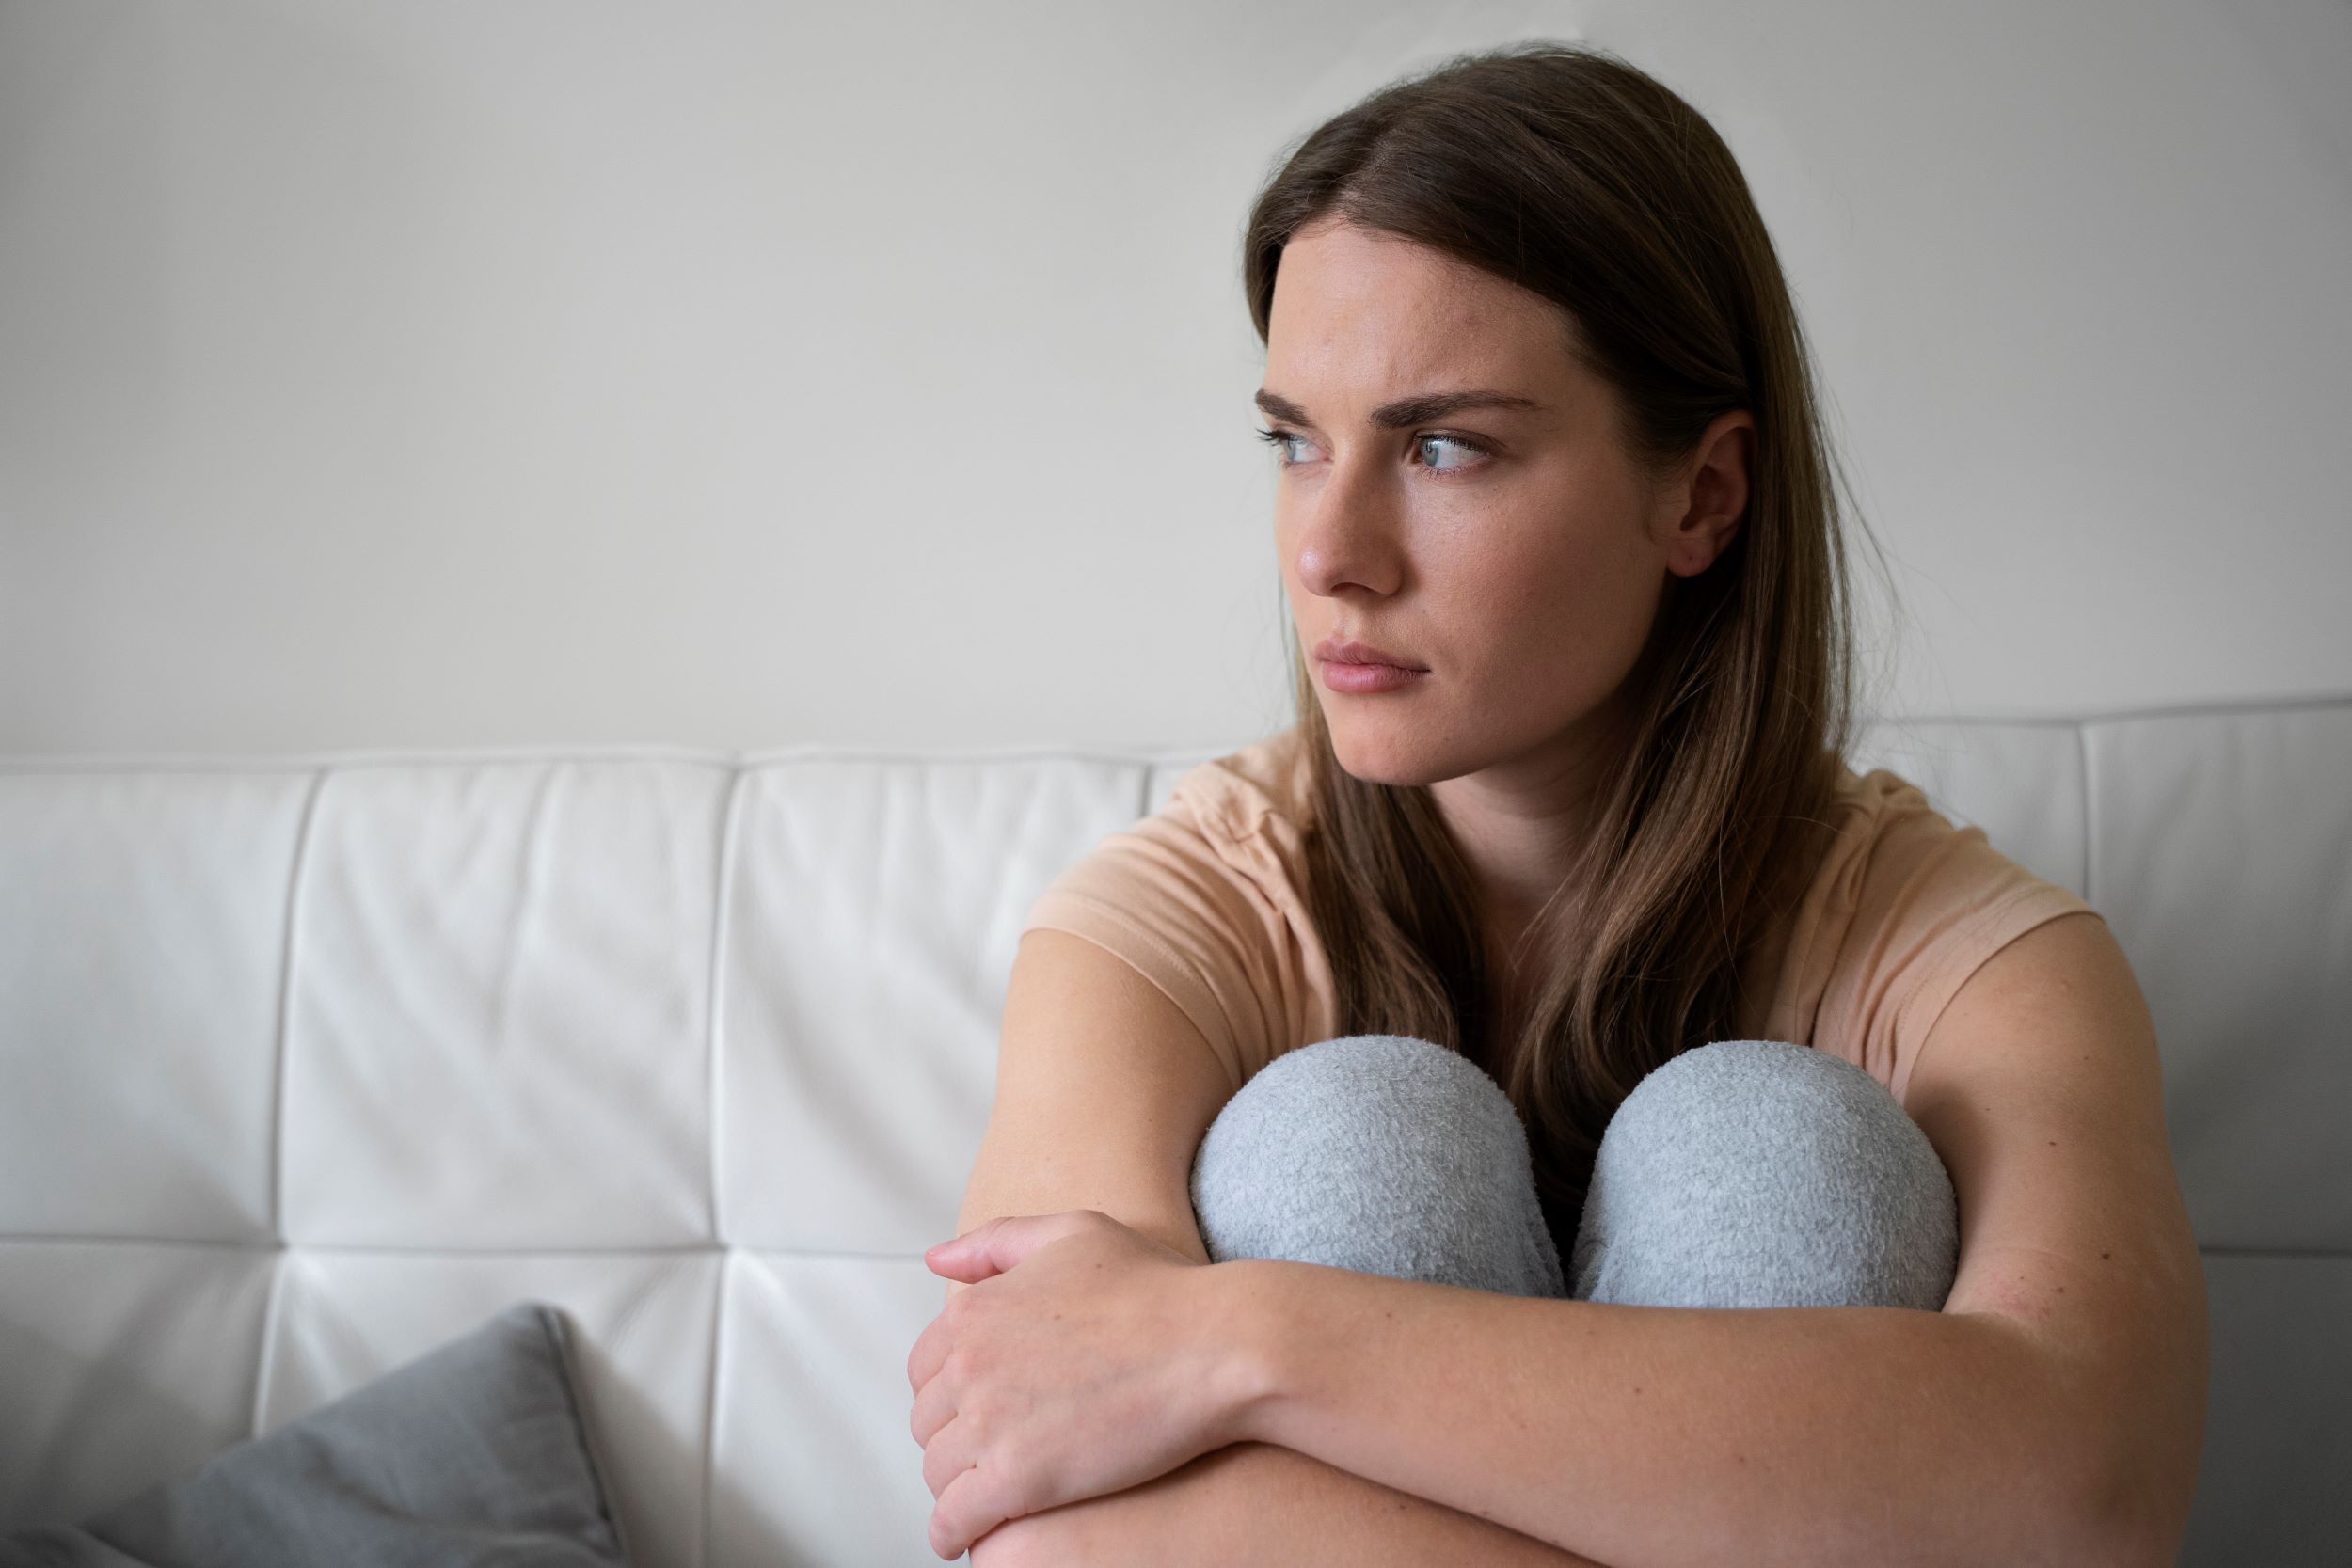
(2144, 1519)
(2137, 1517)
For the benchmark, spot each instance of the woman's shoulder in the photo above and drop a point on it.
(1882, 820)
(1261, 789)
(1231, 818)
(1871, 796)
(1894, 854)
(1906, 902)
(1204, 896)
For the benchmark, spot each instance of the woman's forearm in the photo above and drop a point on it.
(1842, 1435)
(1253, 1505)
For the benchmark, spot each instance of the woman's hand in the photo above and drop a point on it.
(1085, 1358)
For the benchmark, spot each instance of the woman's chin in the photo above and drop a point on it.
(1382, 752)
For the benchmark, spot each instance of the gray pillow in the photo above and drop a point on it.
(474, 1453)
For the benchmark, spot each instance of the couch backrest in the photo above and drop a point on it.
(309, 1063)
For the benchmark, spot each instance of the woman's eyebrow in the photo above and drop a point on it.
(1403, 412)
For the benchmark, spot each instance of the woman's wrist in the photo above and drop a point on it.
(1245, 1309)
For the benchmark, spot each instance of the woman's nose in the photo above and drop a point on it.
(1346, 532)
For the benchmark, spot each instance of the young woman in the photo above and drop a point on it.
(1383, 1124)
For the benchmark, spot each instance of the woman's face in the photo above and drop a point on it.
(1506, 544)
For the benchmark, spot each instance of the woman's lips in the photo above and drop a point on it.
(1367, 680)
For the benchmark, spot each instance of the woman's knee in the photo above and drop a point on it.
(1762, 1173)
(1386, 1153)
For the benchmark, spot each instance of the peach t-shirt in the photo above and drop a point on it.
(1204, 896)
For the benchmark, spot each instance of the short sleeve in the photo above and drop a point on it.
(1931, 902)
(1208, 918)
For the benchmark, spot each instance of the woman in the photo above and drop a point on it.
(1384, 1124)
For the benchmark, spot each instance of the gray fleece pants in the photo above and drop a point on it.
(1744, 1173)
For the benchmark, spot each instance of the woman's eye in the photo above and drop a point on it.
(1280, 440)
(1473, 449)
(1467, 453)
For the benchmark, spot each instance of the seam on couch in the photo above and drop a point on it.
(760, 757)
(2201, 707)
(377, 756)
(450, 1251)
(2090, 815)
(618, 751)
(286, 957)
(264, 1365)
(723, 880)
(278, 1058)
(710, 1410)
(714, 1032)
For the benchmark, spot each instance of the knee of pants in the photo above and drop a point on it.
(1383, 1153)
(1762, 1173)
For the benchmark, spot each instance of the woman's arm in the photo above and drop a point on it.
(1075, 1123)
(1252, 1505)
(2051, 1413)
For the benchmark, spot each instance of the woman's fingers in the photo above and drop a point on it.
(934, 1407)
(975, 1500)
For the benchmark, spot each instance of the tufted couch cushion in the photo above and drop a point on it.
(309, 1063)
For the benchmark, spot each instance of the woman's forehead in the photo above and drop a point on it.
(1389, 317)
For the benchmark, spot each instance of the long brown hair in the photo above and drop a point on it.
(1573, 174)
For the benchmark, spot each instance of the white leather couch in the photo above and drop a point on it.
(310, 1062)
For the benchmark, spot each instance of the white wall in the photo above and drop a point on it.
(515, 372)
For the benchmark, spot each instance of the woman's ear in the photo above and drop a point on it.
(1713, 490)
